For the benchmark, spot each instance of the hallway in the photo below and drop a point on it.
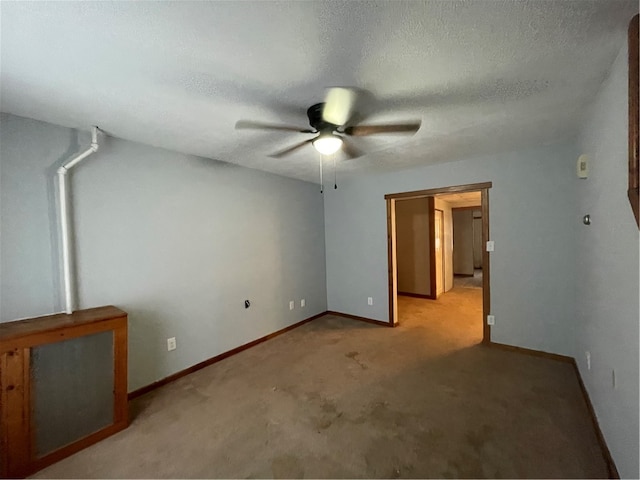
(455, 318)
(469, 282)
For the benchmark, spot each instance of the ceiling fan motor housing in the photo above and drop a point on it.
(314, 112)
(330, 126)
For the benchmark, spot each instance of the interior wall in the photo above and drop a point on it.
(448, 241)
(29, 155)
(462, 241)
(607, 277)
(177, 241)
(413, 244)
(532, 212)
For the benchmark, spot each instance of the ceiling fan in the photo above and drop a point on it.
(330, 123)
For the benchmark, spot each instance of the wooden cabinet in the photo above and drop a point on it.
(63, 386)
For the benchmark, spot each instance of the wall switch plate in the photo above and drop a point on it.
(292, 305)
(491, 320)
(588, 357)
(490, 246)
(171, 343)
(303, 303)
(370, 301)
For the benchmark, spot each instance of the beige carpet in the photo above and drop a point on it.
(464, 281)
(341, 398)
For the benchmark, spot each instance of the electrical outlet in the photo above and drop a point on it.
(171, 343)
(491, 320)
(303, 303)
(588, 357)
(370, 301)
(292, 305)
(490, 246)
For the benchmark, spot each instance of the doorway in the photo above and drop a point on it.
(441, 239)
(467, 237)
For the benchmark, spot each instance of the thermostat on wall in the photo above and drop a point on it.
(582, 167)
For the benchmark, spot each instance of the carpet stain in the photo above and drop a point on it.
(386, 417)
(328, 406)
(354, 356)
(478, 438)
(287, 466)
(329, 415)
(429, 439)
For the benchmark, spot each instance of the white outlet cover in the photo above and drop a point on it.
(171, 344)
(303, 303)
(491, 320)
(490, 246)
(582, 166)
(292, 305)
(370, 301)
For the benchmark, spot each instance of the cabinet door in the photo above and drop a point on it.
(72, 390)
(15, 436)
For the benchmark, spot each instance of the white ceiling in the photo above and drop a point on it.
(484, 76)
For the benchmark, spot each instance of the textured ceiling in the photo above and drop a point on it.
(484, 76)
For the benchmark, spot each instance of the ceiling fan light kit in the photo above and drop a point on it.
(330, 121)
(327, 143)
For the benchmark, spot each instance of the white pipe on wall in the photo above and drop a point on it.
(65, 221)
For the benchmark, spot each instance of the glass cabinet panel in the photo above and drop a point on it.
(72, 390)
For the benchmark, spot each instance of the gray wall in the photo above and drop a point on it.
(29, 154)
(177, 241)
(608, 286)
(532, 216)
(412, 246)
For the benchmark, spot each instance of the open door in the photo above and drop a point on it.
(436, 254)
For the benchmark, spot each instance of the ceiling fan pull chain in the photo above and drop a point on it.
(335, 175)
(321, 182)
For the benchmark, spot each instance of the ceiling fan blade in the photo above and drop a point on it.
(292, 149)
(249, 125)
(338, 105)
(351, 151)
(364, 130)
